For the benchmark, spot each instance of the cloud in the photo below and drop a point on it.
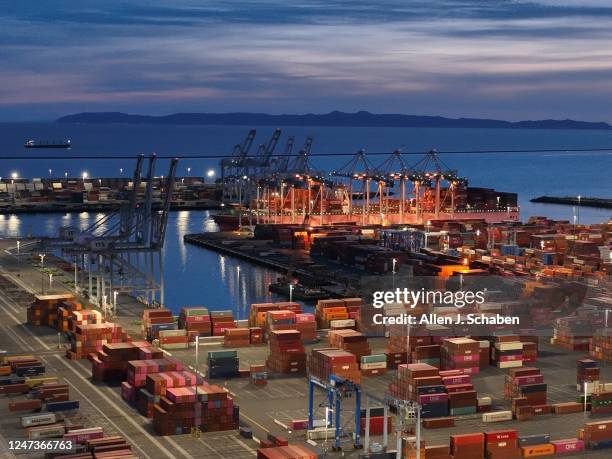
(449, 58)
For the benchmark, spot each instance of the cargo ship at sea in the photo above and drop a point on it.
(45, 144)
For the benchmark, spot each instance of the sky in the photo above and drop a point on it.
(512, 59)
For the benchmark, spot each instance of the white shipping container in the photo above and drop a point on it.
(167, 333)
(50, 431)
(497, 416)
(373, 365)
(38, 419)
(342, 323)
(510, 346)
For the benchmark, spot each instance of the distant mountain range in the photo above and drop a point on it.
(335, 118)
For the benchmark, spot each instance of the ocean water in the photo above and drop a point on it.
(195, 276)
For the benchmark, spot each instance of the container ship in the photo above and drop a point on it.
(45, 144)
(293, 192)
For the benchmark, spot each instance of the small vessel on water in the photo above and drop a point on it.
(45, 144)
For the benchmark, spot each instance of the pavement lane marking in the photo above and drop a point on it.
(253, 421)
(21, 325)
(243, 444)
(120, 410)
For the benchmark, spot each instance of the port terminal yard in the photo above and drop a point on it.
(270, 408)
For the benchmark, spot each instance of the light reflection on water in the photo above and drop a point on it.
(193, 275)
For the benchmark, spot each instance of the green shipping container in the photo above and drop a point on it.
(222, 354)
(375, 358)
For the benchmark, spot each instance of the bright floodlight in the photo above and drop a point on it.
(211, 173)
(85, 175)
(14, 175)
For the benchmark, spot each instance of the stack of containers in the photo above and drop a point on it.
(327, 361)
(601, 402)
(373, 365)
(43, 310)
(587, 372)
(328, 310)
(206, 407)
(306, 324)
(507, 351)
(411, 376)
(137, 371)
(279, 320)
(256, 335)
(353, 307)
(108, 447)
(111, 363)
(530, 341)
(350, 340)
(90, 338)
(156, 386)
(462, 398)
(572, 333)
(429, 354)
(196, 321)
(536, 445)
(221, 320)
(597, 435)
(484, 353)
(526, 389)
(64, 313)
(377, 421)
(468, 446)
(258, 375)
(84, 317)
(461, 353)
(601, 345)
(173, 339)
(236, 337)
(502, 444)
(287, 353)
(257, 312)
(155, 320)
(223, 364)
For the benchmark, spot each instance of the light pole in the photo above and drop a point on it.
(84, 175)
(50, 281)
(66, 175)
(76, 287)
(290, 292)
(50, 173)
(42, 273)
(238, 292)
(121, 171)
(188, 171)
(210, 174)
(115, 293)
(18, 257)
(578, 210)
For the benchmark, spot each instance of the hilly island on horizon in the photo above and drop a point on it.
(334, 118)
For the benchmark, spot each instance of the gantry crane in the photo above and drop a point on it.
(121, 252)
